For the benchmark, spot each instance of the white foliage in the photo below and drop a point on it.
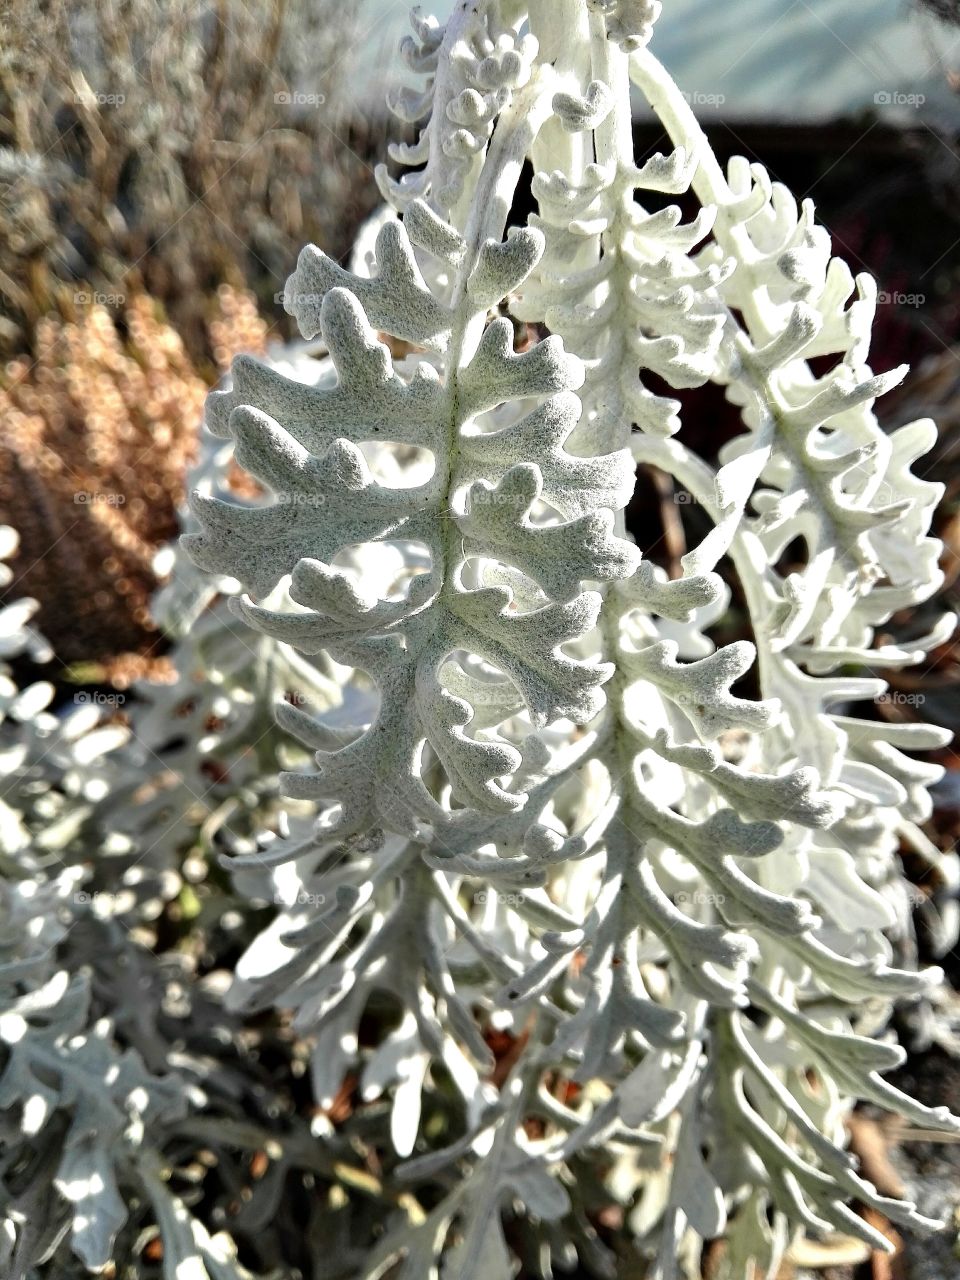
(562, 819)
(527, 797)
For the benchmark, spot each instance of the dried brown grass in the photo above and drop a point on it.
(146, 147)
(99, 429)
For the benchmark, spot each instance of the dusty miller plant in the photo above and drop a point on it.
(111, 1045)
(104, 1040)
(556, 813)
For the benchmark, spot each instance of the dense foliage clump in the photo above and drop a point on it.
(561, 906)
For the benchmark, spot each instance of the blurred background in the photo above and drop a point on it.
(163, 161)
